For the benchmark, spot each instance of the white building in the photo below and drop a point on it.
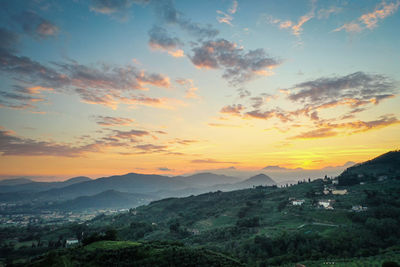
(327, 204)
(297, 202)
(71, 242)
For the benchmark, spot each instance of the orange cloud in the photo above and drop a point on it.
(370, 20)
(382, 11)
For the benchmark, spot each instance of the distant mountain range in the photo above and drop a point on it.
(26, 185)
(283, 175)
(122, 191)
(132, 189)
(15, 181)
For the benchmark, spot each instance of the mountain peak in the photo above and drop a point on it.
(259, 179)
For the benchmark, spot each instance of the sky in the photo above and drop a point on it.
(170, 87)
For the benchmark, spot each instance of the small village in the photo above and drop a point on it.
(330, 189)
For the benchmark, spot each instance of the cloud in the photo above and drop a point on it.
(257, 101)
(357, 92)
(234, 109)
(167, 12)
(351, 27)
(296, 28)
(261, 115)
(326, 13)
(334, 129)
(243, 93)
(227, 17)
(239, 65)
(160, 40)
(103, 84)
(33, 90)
(370, 20)
(12, 145)
(112, 121)
(93, 97)
(150, 148)
(17, 106)
(211, 161)
(191, 88)
(19, 101)
(352, 89)
(223, 125)
(224, 18)
(165, 169)
(72, 74)
(184, 142)
(382, 11)
(129, 134)
(142, 100)
(111, 77)
(363, 126)
(234, 7)
(118, 9)
(112, 99)
(318, 133)
(35, 25)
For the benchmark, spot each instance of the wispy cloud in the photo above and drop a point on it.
(334, 129)
(228, 17)
(117, 9)
(212, 161)
(166, 11)
(191, 88)
(317, 133)
(370, 20)
(325, 13)
(36, 26)
(296, 28)
(112, 121)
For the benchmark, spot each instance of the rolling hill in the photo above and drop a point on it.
(382, 167)
(109, 199)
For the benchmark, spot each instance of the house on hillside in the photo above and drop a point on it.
(332, 190)
(71, 242)
(382, 178)
(358, 208)
(339, 191)
(297, 202)
(326, 204)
